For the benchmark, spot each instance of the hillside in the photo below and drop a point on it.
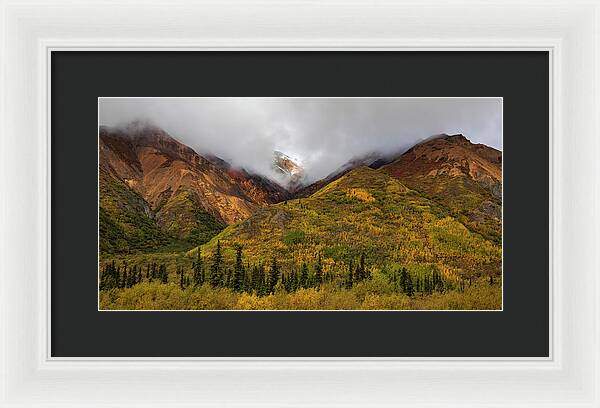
(147, 175)
(126, 221)
(464, 177)
(372, 160)
(365, 212)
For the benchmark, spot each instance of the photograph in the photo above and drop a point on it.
(300, 204)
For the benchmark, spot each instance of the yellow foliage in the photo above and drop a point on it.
(361, 194)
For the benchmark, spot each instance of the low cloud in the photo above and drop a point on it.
(322, 134)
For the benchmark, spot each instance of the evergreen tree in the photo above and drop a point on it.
(294, 281)
(366, 271)
(198, 270)
(258, 280)
(304, 276)
(360, 270)
(273, 275)
(153, 272)
(349, 278)
(403, 281)
(409, 290)
(215, 268)
(238, 273)
(125, 277)
(318, 272)
(227, 278)
(181, 274)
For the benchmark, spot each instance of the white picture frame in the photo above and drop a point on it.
(569, 30)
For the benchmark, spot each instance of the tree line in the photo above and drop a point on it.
(264, 280)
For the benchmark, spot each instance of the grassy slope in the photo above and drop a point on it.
(127, 224)
(466, 199)
(182, 216)
(125, 221)
(364, 211)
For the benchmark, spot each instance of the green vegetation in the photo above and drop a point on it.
(128, 225)
(469, 202)
(365, 241)
(125, 220)
(293, 237)
(183, 217)
(244, 286)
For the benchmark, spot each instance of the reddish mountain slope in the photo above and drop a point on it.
(465, 177)
(188, 196)
(160, 168)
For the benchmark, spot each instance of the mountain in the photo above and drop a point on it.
(437, 200)
(149, 178)
(372, 160)
(291, 171)
(260, 189)
(462, 176)
(366, 211)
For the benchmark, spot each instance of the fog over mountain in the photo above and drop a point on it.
(321, 134)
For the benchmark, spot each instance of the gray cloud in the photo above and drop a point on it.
(322, 133)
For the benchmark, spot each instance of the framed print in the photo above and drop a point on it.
(251, 227)
(259, 205)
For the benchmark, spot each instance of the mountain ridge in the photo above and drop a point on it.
(191, 197)
(187, 196)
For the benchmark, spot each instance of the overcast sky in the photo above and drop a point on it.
(322, 134)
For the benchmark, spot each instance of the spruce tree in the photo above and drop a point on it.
(273, 275)
(318, 272)
(366, 271)
(258, 280)
(404, 278)
(304, 276)
(125, 278)
(181, 277)
(198, 270)
(238, 273)
(215, 269)
(361, 274)
(409, 290)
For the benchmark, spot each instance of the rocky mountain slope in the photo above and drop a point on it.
(290, 170)
(462, 176)
(186, 196)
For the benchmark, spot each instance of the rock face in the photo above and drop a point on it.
(292, 173)
(453, 156)
(260, 189)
